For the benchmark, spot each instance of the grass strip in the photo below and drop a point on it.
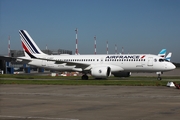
(76, 80)
(88, 82)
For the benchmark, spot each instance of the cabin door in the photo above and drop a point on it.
(150, 61)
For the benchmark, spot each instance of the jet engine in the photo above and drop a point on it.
(122, 74)
(101, 72)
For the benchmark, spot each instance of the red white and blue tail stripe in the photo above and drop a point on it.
(29, 46)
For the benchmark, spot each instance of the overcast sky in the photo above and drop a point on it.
(140, 26)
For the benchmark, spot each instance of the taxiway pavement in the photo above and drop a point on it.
(59, 102)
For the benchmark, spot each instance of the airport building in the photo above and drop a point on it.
(14, 67)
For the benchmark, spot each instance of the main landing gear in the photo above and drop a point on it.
(84, 77)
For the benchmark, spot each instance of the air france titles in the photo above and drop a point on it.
(123, 57)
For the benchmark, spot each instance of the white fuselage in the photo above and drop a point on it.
(117, 62)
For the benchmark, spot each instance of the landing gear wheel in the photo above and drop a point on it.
(159, 78)
(84, 77)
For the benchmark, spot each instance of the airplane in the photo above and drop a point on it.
(162, 54)
(99, 66)
(62, 66)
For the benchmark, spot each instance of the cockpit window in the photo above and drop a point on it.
(161, 60)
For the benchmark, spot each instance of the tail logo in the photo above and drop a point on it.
(27, 43)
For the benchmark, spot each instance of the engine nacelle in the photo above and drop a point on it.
(122, 74)
(101, 72)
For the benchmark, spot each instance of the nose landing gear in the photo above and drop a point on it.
(159, 75)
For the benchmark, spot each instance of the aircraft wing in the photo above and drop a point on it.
(77, 65)
(84, 66)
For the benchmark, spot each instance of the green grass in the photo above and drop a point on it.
(88, 82)
(71, 80)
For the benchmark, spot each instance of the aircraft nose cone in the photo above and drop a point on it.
(172, 66)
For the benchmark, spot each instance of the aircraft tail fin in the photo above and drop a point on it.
(162, 53)
(30, 48)
(168, 57)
